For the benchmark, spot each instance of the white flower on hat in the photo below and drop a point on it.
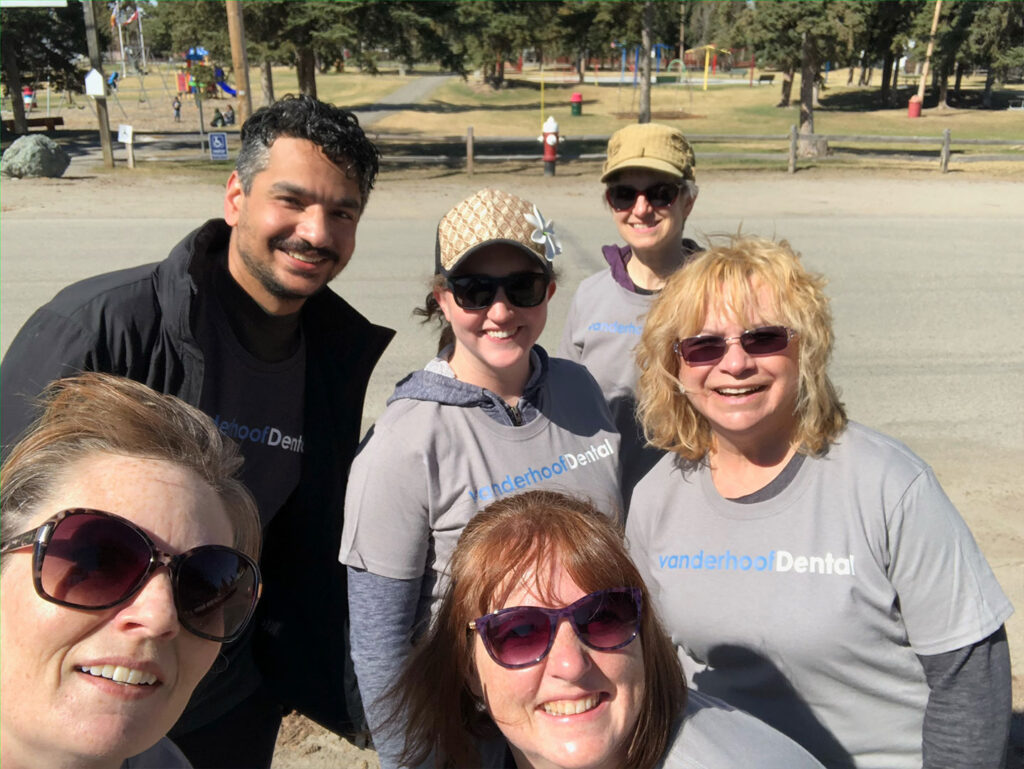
(544, 233)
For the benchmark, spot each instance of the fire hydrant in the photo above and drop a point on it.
(549, 135)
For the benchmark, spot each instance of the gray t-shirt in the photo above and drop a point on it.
(601, 332)
(710, 735)
(428, 468)
(714, 735)
(808, 609)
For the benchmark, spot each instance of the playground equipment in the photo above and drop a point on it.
(708, 51)
(657, 51)
(119, 20)
(186, 79)
(219, 77)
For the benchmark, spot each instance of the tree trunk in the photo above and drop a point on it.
(499, 73)
(645, 64)
(809, 146)
(787, 85)
(12, 74)
(682, 31)
(887, 69)
(990, 79)
(894, 93)
(943, 85)
(582, 66)
(849, 78)
(305, 68)
(267, 82)
(865, 78)
(960, 67)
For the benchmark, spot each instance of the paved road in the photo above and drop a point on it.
(925, 273)
(927, 276)
(416, 91)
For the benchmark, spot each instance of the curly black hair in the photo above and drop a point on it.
(335, 130)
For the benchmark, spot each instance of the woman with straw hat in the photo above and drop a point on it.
(490, 416)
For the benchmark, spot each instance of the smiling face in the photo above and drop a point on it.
(647, 229)
(492, 346)
(295, 229)
(747, 399)
(575, 708)
(59, 664)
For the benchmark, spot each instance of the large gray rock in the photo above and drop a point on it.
(34, 155)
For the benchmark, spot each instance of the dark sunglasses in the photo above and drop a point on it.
(478, 292)
(88, 559)
(521, 636)
(622, 197)
(710, 348)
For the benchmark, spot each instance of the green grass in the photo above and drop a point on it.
(515, 111)
(735, 109)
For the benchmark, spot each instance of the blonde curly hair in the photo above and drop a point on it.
(734, 275)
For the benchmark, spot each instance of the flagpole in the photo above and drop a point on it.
(120, 37)
(142, 40)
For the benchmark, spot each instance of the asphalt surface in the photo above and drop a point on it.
(925, 270)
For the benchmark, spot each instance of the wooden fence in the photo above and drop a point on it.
(449, 150)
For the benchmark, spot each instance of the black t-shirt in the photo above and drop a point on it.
(253, 387)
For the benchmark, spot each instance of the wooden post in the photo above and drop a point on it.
(792, 149)
(944, 155)
(93, 42)
(469, 150)
(928, 53)
(239, 60)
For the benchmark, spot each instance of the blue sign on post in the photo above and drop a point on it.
(218, 146)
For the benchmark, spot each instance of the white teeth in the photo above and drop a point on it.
(737, 390)
(500, 334)
(121, 674)
(571, 707)
(305, 258)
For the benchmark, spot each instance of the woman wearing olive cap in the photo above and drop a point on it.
(650, 190)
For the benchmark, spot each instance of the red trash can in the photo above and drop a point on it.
(576, 104)
(914, 106)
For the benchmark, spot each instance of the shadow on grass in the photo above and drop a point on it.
(80, 142)
(869, 101)
(440, 107)
(444, 108)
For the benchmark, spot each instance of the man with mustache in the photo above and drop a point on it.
(238, 320)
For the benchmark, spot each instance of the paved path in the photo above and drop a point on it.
(414, 92)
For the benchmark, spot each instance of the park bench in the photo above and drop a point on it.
(766, 79)
(50, 122)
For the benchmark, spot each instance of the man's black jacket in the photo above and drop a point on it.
(138, 323)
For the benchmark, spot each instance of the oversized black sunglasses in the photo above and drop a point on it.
(89, 559)
(622, 197)
(521, 636)
(710, 348)
(478, 292)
